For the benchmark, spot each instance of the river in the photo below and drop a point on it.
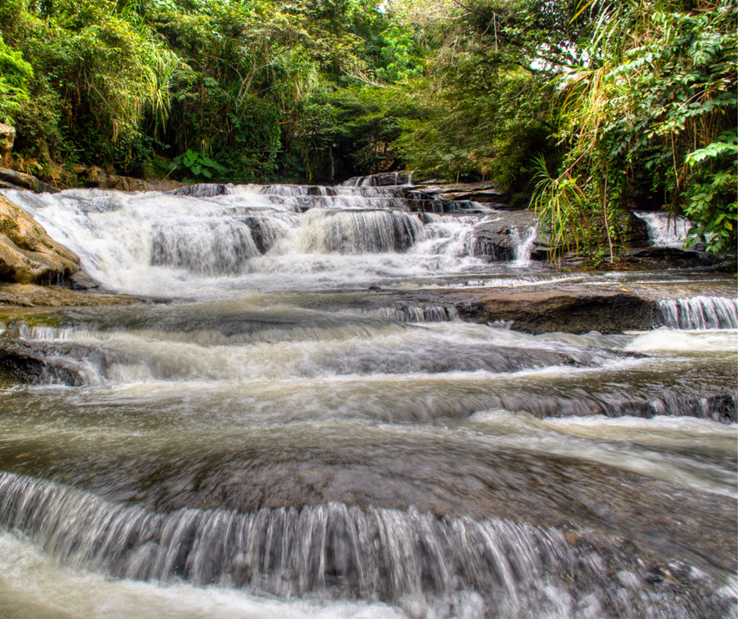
(292, 426)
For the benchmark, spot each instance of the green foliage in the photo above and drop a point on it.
(560, 205)
(124, 82)
(652, 120)
(631, 104)
(14, 76)
(713, 194)
(485, 102)
(198, 165)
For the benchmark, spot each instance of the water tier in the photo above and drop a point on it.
(306, 427)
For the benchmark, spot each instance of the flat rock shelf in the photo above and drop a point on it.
(364, 401)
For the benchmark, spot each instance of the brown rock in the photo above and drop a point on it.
(18, 180)
(128, 183)
(27, 253)
(30, 295)
(7, 138)
(97, 177)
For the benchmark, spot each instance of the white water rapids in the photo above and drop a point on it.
(254, 237)
(296, 424)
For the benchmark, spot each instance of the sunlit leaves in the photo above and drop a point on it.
(15, 73)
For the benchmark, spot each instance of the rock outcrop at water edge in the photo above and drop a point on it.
(501, 235)
(27, 254)
(10, 179)
(31, 295)
(546, 312)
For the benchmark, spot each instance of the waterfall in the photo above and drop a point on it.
(386, 553)
(204, 247)
(416, 314)
(352, 232)
(665, 229)
(183, 241)
(700, 313)
(524, 246)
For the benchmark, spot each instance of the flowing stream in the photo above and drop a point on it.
(296, 425)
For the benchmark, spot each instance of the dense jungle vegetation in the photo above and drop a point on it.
(588, 108)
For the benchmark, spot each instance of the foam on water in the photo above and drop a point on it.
(668, 340)
(209, 239)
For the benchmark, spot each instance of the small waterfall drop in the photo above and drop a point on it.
(205, 247)
(524, 246)
(700, 313)
(665, 229)
(416, 314)
(356, 232)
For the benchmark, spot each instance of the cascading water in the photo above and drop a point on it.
(309, 428)
(700, 313)
(665, 229)
(524, 247)
(218, 230)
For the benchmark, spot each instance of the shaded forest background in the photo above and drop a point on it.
(583, 109)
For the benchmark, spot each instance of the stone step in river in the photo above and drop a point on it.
(319, 409)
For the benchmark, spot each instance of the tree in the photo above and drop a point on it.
(651, 119)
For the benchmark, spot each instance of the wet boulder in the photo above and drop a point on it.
(10, 179)
(499, 235)
(37, 362)
(27, 363)
(656, 257)
(29, 255)
(547, 312)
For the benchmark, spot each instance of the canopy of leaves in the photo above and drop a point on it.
(590, 107)
(650, 120)
(14, 76)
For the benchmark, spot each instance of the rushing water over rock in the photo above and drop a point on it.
(665, 229)
(700, 313)
(378, 553)
(307, 427)
(299, 232)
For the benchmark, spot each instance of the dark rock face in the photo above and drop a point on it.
(500, 234)
(550, 312)
(37, 363)
(484, 192)
(638, 236)
(201, 190)
(387, 179)
(669, 256)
